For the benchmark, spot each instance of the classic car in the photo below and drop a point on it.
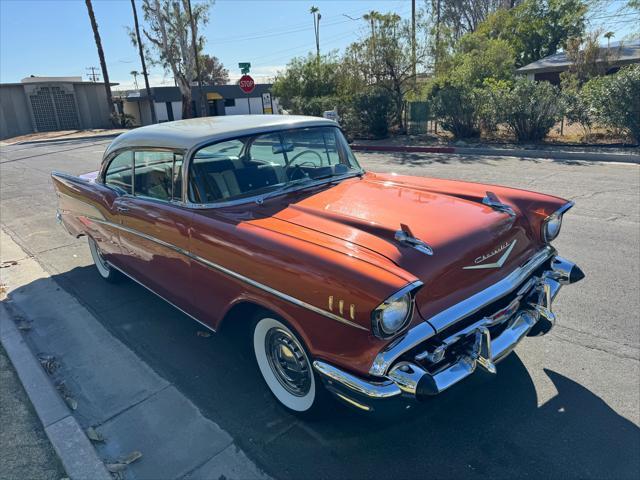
(381, 289)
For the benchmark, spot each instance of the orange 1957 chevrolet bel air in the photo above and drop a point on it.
(380, 289)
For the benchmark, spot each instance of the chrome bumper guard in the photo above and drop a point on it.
(529, 314)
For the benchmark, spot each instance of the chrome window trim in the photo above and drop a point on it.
(258, 198)
(457, 312)
(108, 158)
(236, 275)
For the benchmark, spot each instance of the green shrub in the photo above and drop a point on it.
(458, 109)
(529, 109)
(369, 113)
(614, 100)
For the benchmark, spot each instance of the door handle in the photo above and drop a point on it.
(122, 209)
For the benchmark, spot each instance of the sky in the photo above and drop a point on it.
(54, 37)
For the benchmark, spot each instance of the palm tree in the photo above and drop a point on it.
(608, 36)
(135, 74)
(103, 63)
(152, 103)
(315, 11)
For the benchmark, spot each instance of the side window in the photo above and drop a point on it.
(118, 174)
(158, 175)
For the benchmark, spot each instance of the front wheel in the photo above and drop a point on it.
(286, 367)
(106, 271)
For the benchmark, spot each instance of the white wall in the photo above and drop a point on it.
(242, 106)
(161, 112)
(177, 110)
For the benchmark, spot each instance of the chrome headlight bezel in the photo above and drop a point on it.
(554, 221)
(406, 295)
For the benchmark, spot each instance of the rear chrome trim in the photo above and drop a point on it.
(457, 312)
(235, 275)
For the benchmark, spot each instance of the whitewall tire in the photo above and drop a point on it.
(106, 271)
(285, 365)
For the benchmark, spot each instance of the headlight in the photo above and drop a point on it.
(552, 224)
(394, 314)
(551, 227)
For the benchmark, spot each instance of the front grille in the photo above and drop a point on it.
(462, 346)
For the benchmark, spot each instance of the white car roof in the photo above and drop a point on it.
(185, 134)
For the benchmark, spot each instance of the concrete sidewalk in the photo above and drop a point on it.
(137, 414)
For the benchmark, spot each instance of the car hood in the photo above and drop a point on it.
(462, 232)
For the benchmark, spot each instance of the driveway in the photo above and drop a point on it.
(565, 405)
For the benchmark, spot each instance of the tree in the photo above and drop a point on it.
(135, 74)
(464, 16)
(171, 32)
(213, 71)
(103, 63)
(385, 59)
(306, 78)
(536, 28)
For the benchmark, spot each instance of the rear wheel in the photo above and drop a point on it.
(106, 271)
(286, 367)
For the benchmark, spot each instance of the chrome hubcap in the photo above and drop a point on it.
(288, 362)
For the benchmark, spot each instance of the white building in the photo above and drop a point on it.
(220, 100)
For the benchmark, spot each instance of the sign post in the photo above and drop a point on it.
(246, 83)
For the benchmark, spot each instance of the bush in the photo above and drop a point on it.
(368, 113)
(314, 106)
(458, 109)
(122, 120)
(529, 109)
(614, 100)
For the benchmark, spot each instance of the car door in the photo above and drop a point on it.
(154, 226)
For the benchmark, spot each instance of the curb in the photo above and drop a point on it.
(71, 139)
(552, 154)
(72, 446)
(500, 152)
(402, 148)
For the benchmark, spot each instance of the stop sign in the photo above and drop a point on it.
(247, 85)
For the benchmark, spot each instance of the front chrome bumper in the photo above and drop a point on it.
(431, 365)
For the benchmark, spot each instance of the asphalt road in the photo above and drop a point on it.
(565, 405)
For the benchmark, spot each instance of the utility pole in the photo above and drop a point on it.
(152, 103)
(194, 40)
(93, 76)
(435, 62)
(413, 39)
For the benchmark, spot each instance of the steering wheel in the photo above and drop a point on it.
(297, 155)
(295, 172)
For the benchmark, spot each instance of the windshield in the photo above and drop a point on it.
(268, 163)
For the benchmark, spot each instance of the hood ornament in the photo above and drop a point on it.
(492, 200)
(505, 247)
(405, 236)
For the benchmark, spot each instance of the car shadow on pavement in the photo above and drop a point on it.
(425, 159)
(485, 426)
